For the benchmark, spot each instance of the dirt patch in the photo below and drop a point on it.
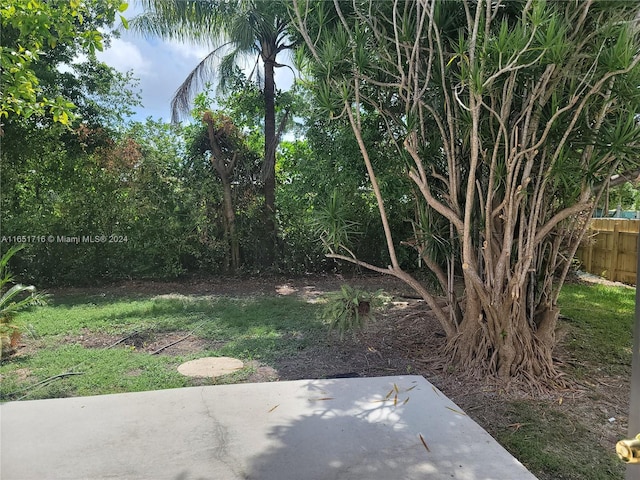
(261, 373)
(20, 374)
(587, 277)
(175, 343)
(384, 348)
(160, 343)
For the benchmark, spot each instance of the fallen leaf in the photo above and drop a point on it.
(457, 411)
(423, 442)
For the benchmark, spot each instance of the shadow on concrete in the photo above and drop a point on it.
(350, 429)
(366, 437)
(186, 476)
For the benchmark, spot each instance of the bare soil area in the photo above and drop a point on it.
(404, 339)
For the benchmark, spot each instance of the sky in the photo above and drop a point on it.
(160, 66)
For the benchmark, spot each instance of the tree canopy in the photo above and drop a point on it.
(33, 29)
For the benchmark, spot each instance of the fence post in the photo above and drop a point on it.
(613, 260)
(591, 241)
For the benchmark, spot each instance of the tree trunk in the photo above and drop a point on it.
(225, 171)
(230, 225)
(269, 165)
(500, 335)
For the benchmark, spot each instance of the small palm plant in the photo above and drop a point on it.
(349, 309)
(12, 300)
(333, 227)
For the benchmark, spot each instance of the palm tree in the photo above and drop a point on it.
(234, 30)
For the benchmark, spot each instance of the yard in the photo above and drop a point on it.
(132, 336)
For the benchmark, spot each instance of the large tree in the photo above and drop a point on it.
(224, 147)
(234, 30)
(509, 118)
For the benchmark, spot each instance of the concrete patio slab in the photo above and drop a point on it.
(357, 428)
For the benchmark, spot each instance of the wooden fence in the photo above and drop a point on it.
(610, 249)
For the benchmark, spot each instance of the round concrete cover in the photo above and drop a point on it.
(210, 367)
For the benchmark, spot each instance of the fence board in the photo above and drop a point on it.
(610, 249)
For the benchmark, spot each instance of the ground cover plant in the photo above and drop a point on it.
(132, 337)
(13, 298)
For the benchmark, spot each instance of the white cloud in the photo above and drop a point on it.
(187, 51)
(124, 56)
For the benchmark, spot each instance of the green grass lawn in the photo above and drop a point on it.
(601, 324)
(258, 328)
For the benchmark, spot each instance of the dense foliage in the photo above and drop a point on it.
(235, 31)
(108, 198)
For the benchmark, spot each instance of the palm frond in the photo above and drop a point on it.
(204, 71)
(232, 28)
(7, 256)
(7, 301)
(183, 20)
(227, 69)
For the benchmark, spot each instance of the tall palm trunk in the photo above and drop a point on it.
(269, 165)
(236, 29)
